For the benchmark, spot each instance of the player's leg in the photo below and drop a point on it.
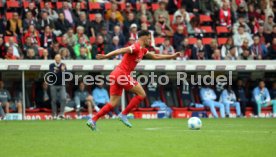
(238, 108)
(135, 101)
(89, 105)
(62, 93)
(227, 108)
(53, 92)
(221, 108)
(210, 104)
(19, 106)
(7, 106)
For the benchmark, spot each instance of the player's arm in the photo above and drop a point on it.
(114, 53)
(153, 56)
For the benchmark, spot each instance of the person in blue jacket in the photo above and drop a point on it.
(208, 97)
(261, 98)
(228, 98)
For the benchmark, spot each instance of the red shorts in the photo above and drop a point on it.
(120, 80)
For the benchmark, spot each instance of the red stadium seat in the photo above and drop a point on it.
(205, 18)
(107, 6)
(207, 29)
(9, 15)
(82, 5)
(25, 4)
(7, 38)
(207, 41)
(154, 6)
(92, 40)
(92, 17)
(94, 6)
(222, 41)
(159, 41)
(222, 29)
(122, 6)
(13, 4)
(192, 41)
(59, 5)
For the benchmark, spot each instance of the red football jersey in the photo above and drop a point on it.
(130, 60)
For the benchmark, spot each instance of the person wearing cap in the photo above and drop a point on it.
(162, 28)
(118, 15)
(162, 11)
(97, 25)
(133, 31)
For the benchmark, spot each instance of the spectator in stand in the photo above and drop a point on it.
(32, 9)
(144, 21)
(246, 55)
(240, 36)
(51, 12)
(77, 11)
(210, 48)
(144, 11)
(259, 50)
(29, 20)
(216, 55)
(5, 100)
(81, 37)
(78, 47)
(268, 25)
(162, 12)
(64, 44)
(64, 54)
(112, 22)
(29, 45)
(100, 47)
(241, 22)
(128, 10)
(184, 15)
(225, 15)
(225, 49)
(253, 25)
(178, 36)
(98, 24)
(198, 51)
(130, 19)
(13, 50)
(62, 25)
(271, 53)
(71, 40)
(3, 49)
(53, 51)
(242, 10)
(118, 32)
(14, 26)
(184, 48)
(194, 28)
(45, 55)
(45, 21)
(232, 55)
(31, 54)
(208, 98)
(47, 38)
(114, 14)
(85, 24)
(162, 28)
(270, 37)
(209, 7)
(115, 44)
(43, 96)
(83, 99)
(193, 6)
(58, 90)
(33, 34)
(166, 47)
(68, 14)
(261, 98)
(84, 54)
(179, 22)
(133, 31)
(229, 99)
(253, 12)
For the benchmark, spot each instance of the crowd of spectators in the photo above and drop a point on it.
(79, 29)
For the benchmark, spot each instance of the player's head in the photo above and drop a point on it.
(145, 36)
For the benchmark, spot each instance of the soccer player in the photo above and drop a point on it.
(122, 80)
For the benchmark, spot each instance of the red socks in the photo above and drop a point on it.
(107, 108)
(135, 101)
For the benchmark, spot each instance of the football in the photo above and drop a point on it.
(194, 123)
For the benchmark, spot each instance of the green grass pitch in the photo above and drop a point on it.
(148, 138)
